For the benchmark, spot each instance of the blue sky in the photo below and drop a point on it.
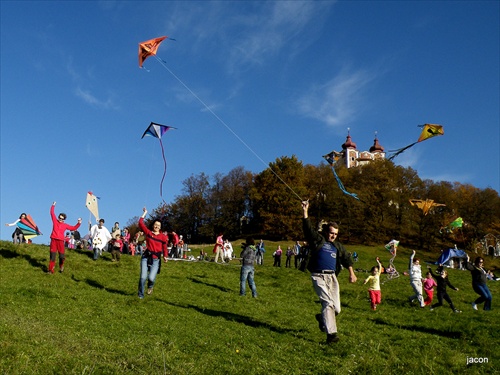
(283, 78)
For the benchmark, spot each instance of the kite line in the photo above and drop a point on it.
(162, 62)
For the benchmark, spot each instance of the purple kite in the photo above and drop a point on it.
(157, 131)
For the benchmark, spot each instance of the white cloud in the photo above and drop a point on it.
(269, 31)
(92, 100)
(338, 101)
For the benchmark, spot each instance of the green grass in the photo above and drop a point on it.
(89, 320)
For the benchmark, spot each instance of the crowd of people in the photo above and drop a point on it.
(321, 254)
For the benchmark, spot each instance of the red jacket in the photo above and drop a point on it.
(155, 242)
(59, 228)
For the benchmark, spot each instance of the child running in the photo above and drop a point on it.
(374, 286)
(429, 283)
(441, 277)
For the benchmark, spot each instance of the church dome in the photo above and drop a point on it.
(349, 143)
(376, 146)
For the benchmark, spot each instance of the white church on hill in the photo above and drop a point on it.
(350, 156)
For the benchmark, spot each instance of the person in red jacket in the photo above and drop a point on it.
(156, 246)
(59, 227)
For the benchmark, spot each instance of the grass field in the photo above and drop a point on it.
(88, 320)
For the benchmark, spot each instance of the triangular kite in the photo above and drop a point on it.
(428, 131)
(91, 204)
(149, 48)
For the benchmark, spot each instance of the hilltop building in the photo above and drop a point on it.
(350, 156)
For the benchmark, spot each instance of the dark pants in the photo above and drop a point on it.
(446, 297)
(485, 295)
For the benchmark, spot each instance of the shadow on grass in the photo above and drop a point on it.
(414, 327)
(238, 318)
(88, 253)
(34, 262)
(208, 284)
(98, 285)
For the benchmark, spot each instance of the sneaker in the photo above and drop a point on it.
(150, 291)
(321, 325)
(61, 269)
(474, 306)
(457, 311)
(431, 309)
(331, 339)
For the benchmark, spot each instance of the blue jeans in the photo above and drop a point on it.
(485, 295)
(247, 273)
(153, 270)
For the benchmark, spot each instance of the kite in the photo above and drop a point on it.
(149, 48)
(425, 205)
(392, 247)
(331, 158)
(428, 131)
(92, 205)
(157, 131)
(28, 226)
(457, 223)
(391, 271)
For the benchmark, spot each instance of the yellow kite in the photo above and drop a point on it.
(428, 131)
(425, 205)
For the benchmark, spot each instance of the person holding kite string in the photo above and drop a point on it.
(17, 236)
(325, 259)
(156, 243)
(59, 227)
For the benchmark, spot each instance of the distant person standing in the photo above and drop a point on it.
(296, 254)
(219, 248)
(326, 257)
(289, 253)
(59, 227)
(277, 257)
(156, 246)
(247, 268)
(261, 249)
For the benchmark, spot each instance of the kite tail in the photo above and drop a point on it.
(164, 169)
(341, 185)
(401, 150)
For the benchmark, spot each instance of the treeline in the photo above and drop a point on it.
(267, 205)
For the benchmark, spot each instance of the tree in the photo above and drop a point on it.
(276, 193)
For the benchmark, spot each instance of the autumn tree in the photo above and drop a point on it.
(276, 195)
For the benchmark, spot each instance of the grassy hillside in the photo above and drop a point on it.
(88, 320)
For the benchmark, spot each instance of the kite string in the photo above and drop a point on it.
(227, 126)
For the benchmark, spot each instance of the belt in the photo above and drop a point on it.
(324, 271)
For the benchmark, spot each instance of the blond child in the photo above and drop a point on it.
(374, 285)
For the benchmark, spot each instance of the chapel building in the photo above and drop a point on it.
(352, 157)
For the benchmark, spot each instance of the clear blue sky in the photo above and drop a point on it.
(285, 77)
